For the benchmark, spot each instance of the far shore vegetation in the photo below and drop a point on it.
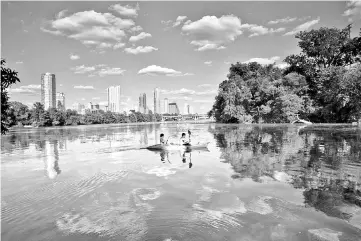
(322, 84)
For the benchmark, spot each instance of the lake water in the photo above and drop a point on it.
(271, 182)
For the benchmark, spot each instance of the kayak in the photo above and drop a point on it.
(178, 147)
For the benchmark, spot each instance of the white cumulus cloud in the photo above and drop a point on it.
(82, 69)
(263, 61)
(204, 85)
(258, 30)
(282, 20)
(30, 87)
(140, 49)
(353, 9)
(303, 27)
(155, 70)
(140, 36)
(211, 32)
(90, 27)
(87, 87)
(282, 65)
(74, 57)
(119, 45)
(179, 20)
(127, 10)
(110, 71)
(188, 92)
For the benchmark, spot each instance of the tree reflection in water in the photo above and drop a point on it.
(325, 161)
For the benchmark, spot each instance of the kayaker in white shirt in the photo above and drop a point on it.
(183, 140)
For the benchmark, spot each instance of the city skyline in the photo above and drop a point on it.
(182, 48)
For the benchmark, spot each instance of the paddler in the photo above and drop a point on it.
(183, 140)
(162, 140)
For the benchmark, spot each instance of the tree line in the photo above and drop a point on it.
(321, 84)
(20, 114)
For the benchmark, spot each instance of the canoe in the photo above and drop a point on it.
(178, 147)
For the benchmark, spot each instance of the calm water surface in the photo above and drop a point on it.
(272, 182)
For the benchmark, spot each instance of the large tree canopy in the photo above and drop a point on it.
(322, 83)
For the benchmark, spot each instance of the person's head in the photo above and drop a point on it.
(183, 134)
(162, 135)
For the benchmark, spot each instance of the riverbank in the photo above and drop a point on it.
(117, 124)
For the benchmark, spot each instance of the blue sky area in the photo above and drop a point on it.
(184, 48)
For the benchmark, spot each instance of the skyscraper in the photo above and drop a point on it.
(143, 103)
(60, 101)
(156, 101)
(166, 106)
(190, 109)
(48, 90)
(185, 109)
(114, 101)
(173, 109)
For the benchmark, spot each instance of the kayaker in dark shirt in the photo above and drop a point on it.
(162, 140)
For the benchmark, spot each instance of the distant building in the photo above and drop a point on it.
(114, 100)
(48, 90)
(78, 107)
(156, 101)
(190, 110)
(92, 108)
(166, 106)
(143, 103)
(60, 101)
(185, 109)
(173, 109)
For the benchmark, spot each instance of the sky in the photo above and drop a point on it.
(183, 48)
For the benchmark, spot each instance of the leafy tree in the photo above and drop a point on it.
(38, 110)
(8, 78)
(45, 119)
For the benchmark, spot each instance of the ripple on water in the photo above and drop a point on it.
(124, 215)
(147, 193)
(259, 205)
(25, 206)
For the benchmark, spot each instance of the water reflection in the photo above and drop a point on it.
(184, 156)
(248, 185)
(324, 161)
(51, 158)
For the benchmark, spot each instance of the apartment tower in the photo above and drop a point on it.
(143, 103)
(166, 106)
(48, 90)
(156, 101)
(114, 100)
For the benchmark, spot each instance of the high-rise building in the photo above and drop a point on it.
(114, 101)
(143, 103)
(156, 101)
(48, 90)
(185, 109)
(166, 106)
(173, 109)
(60, 101)
(190, 109)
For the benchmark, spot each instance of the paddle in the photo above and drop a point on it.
(189, 138)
